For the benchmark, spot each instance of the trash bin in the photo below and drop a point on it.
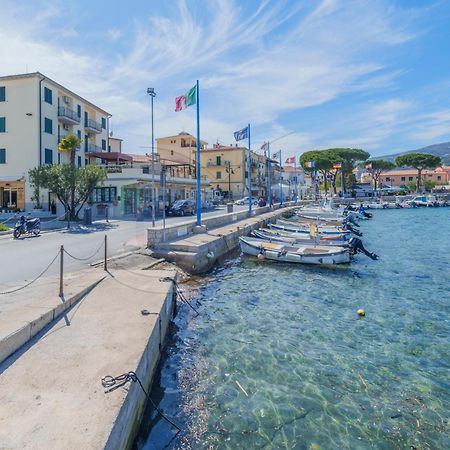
(88, 216)
(229, 207)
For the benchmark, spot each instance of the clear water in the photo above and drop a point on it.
(278, 357)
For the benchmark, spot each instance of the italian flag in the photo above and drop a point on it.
(188, 99)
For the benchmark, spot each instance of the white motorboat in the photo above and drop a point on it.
(294, 254)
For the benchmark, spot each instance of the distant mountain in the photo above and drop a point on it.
(442, 150)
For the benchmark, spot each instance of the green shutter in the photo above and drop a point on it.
(2, 124)
(2, 155)
(2, 93)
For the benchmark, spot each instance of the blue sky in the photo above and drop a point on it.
(373, 74)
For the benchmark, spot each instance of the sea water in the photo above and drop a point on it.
(278, 357)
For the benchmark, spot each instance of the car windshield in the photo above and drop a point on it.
(178, 203)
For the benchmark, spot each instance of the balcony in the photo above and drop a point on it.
(91, 148)
(92, 126)
(68, 116)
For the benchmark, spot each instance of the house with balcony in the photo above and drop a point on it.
(36, 112)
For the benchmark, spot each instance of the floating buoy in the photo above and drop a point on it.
(261, 257)
(361, 312)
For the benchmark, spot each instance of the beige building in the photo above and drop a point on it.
(178, 148)
(35, 114)
(403, 177)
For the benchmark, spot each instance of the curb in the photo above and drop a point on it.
(15, 340)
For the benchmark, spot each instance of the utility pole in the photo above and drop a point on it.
(152, 93)
(229, 171)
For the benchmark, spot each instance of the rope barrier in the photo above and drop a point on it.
(110, 384)
(32, 281)
(84, 259)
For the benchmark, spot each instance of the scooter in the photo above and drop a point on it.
(27, 226)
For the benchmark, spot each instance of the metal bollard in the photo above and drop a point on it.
(105, 266)
(61, 272)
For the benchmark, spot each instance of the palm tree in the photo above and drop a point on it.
(70, 143)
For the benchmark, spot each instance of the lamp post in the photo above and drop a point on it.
(152, 93)
(229, 172)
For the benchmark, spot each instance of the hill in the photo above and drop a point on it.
(442, 150)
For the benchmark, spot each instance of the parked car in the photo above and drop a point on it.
(182, 208)
(244, 201)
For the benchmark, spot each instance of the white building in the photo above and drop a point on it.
(35, 113)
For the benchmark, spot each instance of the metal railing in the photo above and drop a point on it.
(93, 125)
(69, 113)
(91, 148)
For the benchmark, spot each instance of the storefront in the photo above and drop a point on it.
(12, 195)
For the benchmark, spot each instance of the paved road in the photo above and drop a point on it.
(24, 259)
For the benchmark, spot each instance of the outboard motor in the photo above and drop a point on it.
(351, 220)
(356, 246)
(348, 227)
(364, 213)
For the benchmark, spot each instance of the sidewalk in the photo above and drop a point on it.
(50, 392)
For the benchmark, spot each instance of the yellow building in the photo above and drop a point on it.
(226, 168)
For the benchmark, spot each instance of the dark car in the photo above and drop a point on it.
(182, 208)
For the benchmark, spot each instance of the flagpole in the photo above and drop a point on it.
(199, 195)
(281, 183)
(249, 168)
(295, 179)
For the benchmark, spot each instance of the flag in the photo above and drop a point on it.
(310, 164)
(241, 134)
(264, 146)
(188, 99)
(290, 160)
(369, 166)
(276, 155)
(337, 165)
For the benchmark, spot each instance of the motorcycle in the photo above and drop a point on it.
(27, 226)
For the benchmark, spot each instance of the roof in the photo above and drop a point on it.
(223, 148)
(42, 76)
(403, 172)
(288, 169)
(181, 134)
(111, 156)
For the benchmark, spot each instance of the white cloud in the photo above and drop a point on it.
(253, 66)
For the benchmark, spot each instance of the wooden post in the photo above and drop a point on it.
(61, 272)
(105, 267)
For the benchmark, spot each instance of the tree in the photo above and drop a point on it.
(72, 185)
(377, 167)
(419, 161)
(37, 178)
(323, 162)
(347, 157)
(69, 144)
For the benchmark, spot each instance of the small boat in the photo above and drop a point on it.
(294, 254)
(307, 225)
(291, 238)
(306, 231)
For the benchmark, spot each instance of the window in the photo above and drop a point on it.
(79, 110)
(2, 94)
(218, 175)
(171, 152)
(103, 144)
(48, 94)
(79, 161)
(2, 124)
(218, 161)
(79, 134)
(410, 178)
(439, 178)
(2, 155)
(103, 123)
(86, 117)
(403, 178)
(48, 125)
(48, 158)
(104, 194)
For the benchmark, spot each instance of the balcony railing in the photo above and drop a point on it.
(67, 115)
(91, 148)
(92, 125)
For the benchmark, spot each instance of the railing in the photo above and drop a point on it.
(91, 148)
(69, 113)
(93, 125)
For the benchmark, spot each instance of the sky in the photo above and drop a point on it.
(306, 74)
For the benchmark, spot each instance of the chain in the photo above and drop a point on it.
(32, 281)
(84, 259)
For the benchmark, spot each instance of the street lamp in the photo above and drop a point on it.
(229, 171)
(152, 93)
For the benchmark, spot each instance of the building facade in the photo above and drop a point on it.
(178, 148)
(35, 114)
(403, 177)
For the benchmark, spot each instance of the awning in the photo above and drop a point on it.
(110, 156)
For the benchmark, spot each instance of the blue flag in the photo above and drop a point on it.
(241, 134)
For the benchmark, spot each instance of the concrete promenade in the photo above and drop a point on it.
(51, 395)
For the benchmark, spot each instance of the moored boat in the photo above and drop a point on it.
(295, 254)
(306, 231)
